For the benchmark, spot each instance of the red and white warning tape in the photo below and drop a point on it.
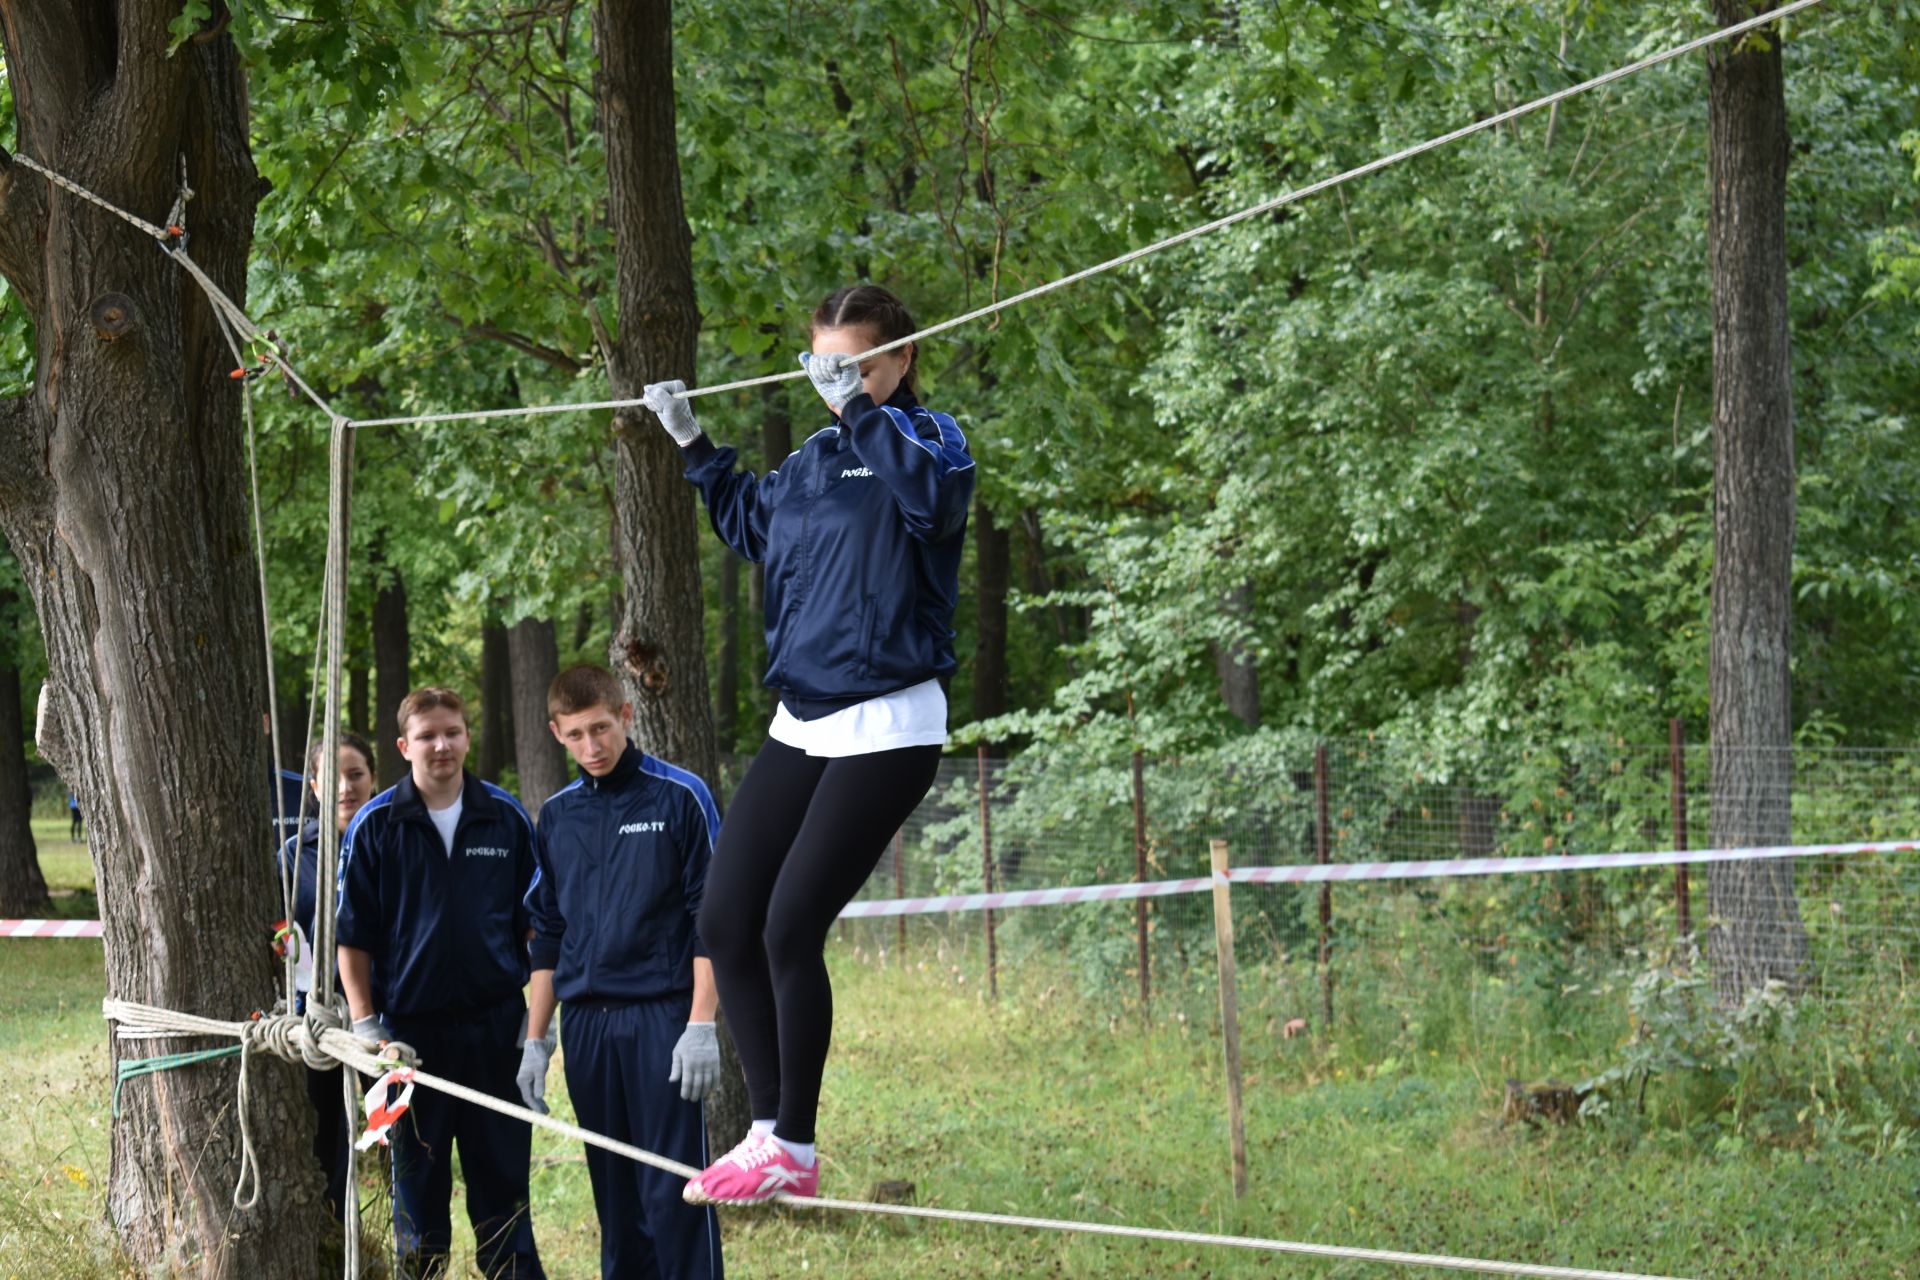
(50, 928)
(1314, 873)
(1299, 873)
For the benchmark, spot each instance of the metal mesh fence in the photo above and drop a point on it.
(1839, 927)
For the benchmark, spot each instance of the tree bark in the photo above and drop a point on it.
(359, 699)
(1756, 934)
(535, 661)
(1234, 663)
(993, 563)
(392, 670)
(658, 648)
(123, 494)
(497, 745)
(726, 684)
(23, 890)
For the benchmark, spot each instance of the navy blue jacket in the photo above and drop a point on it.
(447, 932)
(289, 793)
(301, 856)
(622, 863)
(860, 530)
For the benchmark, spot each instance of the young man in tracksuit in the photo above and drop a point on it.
(623, 857)
(432, 932)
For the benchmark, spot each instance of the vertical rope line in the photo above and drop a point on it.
(339, 481)
(350, 1197)
(289, 959)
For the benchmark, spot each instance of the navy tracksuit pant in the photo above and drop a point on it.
(474, 1048)
(617, 1057)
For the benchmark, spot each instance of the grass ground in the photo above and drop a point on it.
(1044, 1104)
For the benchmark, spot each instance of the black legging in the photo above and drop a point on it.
(801, 836)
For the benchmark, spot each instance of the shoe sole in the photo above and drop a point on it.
(692, 1194)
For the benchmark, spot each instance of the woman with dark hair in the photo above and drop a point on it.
(300, 858)
(860, 532)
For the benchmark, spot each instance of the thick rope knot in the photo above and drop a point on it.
(320, 1019)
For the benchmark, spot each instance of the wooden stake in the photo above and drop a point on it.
(1229, 1014)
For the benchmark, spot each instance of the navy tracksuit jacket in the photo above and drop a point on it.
(860, 532)
(622, 863)
(447, 933)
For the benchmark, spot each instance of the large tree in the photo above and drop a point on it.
(659, 647)
(1756, 933)
(23, 890)
(123, 494)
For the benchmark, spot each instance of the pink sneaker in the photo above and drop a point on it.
(752, 1173)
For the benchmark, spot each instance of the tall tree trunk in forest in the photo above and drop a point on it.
(726, 683)
(392, 670)
(497, 747)
(123, 491)
(23, 890)
(658, 648)
(534, 652)
(1756, 932)
(993, 562)
(360, 697)
(1234, 663)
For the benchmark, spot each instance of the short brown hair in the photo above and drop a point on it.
(427, 699)
(583, 687)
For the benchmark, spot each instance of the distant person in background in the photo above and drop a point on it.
(76, 825)
(300, 859)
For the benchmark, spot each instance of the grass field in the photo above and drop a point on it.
(1046, 1104)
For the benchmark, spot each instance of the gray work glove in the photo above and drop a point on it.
(696, 1061)
(373, 1029)
(836, 378)
(675, 415)
(532, 1077)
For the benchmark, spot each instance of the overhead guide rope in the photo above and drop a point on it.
(318, 1037)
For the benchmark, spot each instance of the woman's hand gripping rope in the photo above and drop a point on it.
(675, 414)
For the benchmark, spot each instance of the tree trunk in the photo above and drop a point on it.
(1234, 663)
(23, 890)
(392, 671)
(726, 685)
(534, 653)
(123, 493)
(359, 699)
(1756, 934)
(993, 552)
(658, 648)
(497, 746)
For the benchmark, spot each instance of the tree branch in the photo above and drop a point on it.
(23, 219)
(519, 342)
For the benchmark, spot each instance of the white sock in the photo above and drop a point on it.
(760, 1128)
(802, 1152)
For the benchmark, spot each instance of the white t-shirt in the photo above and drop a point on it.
(915, 717)
(445, 820)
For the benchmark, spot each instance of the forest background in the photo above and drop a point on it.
(1426, 458)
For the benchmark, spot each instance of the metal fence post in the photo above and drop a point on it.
(986, 868)
(900, 878)
(1140, 875)
(1322, 830)
(1677, 771)
(1229, 1012)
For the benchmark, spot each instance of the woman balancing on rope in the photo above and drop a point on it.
(300, 861)
(860, 531)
